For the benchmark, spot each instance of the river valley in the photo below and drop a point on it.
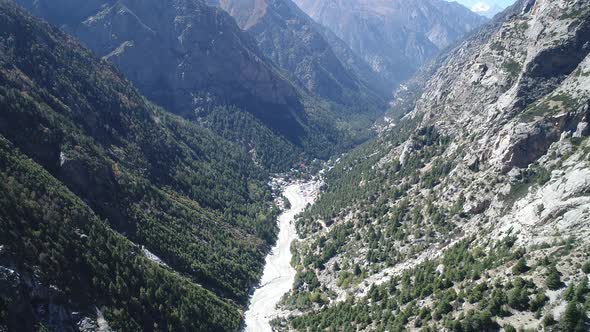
(279, 275)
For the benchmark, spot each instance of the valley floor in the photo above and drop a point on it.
(278, 275)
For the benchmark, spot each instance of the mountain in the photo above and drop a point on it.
(293, 41)
(180, 54)
(113, 211)
(192, 59)
(394, 37)
(469, 212)
(195, 61)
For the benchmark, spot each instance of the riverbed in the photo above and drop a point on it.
(279, 275)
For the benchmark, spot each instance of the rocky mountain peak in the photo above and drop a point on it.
(394, 37)
(298, 45)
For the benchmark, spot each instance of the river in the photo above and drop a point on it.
(279, 275)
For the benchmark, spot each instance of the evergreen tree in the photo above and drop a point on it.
(548, 320)
(581, 290)
(538, 301)
(553, 280)
(357, 270)
(573, 319)
(570, 292)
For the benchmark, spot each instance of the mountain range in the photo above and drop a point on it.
(394, 37)
(141, 143)
(97, 181)
(293, 41)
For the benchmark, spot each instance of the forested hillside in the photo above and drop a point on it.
(58, 257)
(469, 212)
(112, 180)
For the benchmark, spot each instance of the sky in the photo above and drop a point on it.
(486, 7)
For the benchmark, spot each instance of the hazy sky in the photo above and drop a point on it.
(483, 6)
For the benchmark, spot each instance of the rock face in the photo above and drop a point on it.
(299, 46)
(182, 54)
(394, 37)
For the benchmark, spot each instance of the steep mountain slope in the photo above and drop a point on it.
(180, 54)
(194, 60)
(394, 37)
(96, 181)
(471, 212)
(296, 44)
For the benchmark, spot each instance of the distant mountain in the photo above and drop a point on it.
(394, 36)
(297, 44)
(486, 10)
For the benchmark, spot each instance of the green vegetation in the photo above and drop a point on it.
(573, 13)
(535, 110)
(509, 328)
(555, 103)
(512, 67)
(553, 280)
(274, 152)
(497, 46)
(52, 234)
(538, 301)
(520, 266)
(392, 305)
(355, 181)
(522, 27)
(574, 318)
(106, 162)
(462, 296)
(534, 175)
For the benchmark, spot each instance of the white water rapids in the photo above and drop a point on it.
(278, 276)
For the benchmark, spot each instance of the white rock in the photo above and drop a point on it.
(581, 130)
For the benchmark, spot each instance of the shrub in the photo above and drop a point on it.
(509, 328)
(538, 301)
(520, 267)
